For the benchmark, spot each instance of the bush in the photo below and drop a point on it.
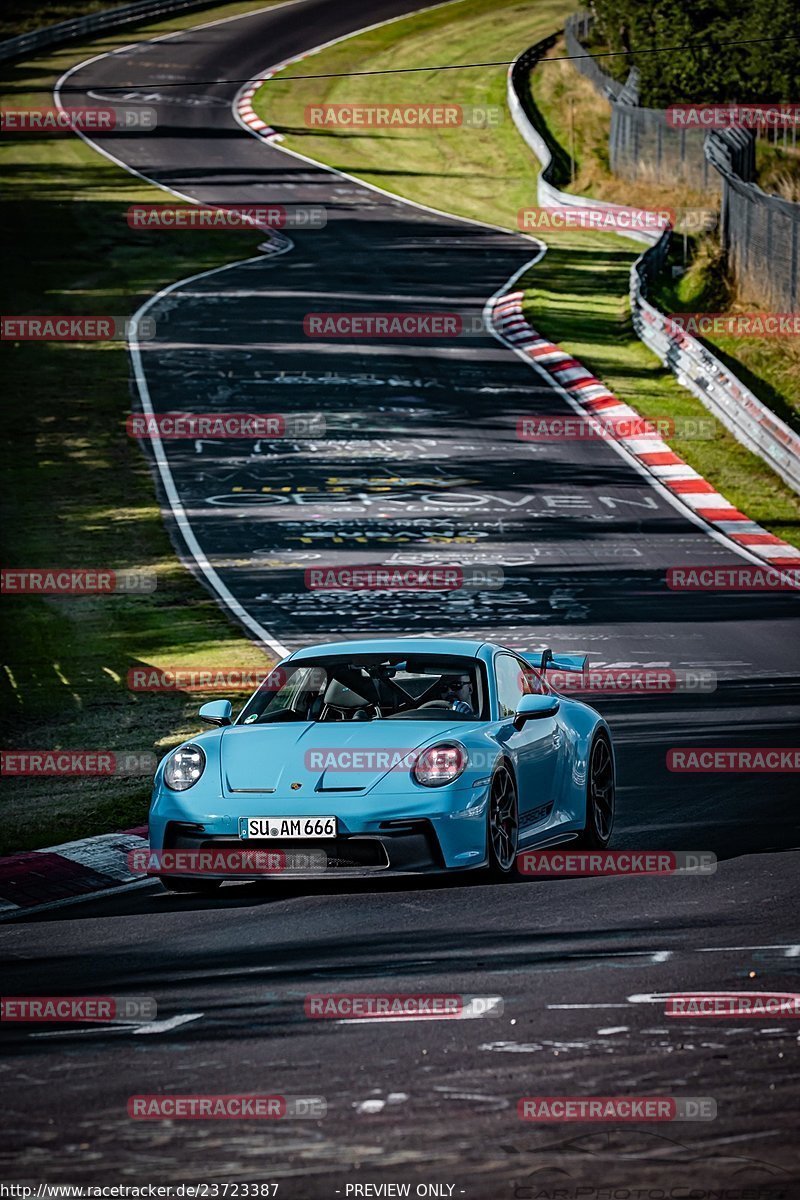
(711, 72)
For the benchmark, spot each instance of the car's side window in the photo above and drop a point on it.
(510, 684)
(291, 695)
(531, 680)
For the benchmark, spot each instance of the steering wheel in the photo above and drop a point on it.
(331, 712)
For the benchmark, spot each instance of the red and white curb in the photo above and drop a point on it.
(246, 112)
(685, 485)
(243, 104)
(36, 879)
(602, 406)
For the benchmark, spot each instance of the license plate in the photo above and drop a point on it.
(308, 828)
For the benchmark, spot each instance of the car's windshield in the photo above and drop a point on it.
(371, 688)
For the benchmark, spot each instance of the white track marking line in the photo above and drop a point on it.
(615, 445)
(178, 511)
(121, 1027)
(176, 505)
(619, 1004)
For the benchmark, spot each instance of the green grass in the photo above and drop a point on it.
(606, 343)
(78, 491)
(778, 165)
(576, 297)
(483, 173)
(26, 15)
(768, 366)
(576, 123)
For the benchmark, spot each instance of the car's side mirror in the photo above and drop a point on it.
(532, 707)
(216, 712)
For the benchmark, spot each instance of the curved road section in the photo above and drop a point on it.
(421, 464)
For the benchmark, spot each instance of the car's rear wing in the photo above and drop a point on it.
(545, 660)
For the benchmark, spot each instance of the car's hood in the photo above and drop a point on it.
(328, 757)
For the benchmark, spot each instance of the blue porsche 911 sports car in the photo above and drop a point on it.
(405, 755)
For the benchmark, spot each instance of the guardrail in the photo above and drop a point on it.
(548, 195)
(694, 366)
(76, 27)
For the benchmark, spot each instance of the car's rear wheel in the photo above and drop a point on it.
(600, 796)
(202, 887)
(503, 831)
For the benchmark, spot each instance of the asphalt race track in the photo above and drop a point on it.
(421, 462)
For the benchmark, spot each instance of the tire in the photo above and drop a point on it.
(202, 887)
(600, 797)
(502, 830)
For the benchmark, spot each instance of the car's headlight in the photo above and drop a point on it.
(184, 767)
(440, 764)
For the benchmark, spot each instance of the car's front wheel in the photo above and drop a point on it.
(503, 832)
(202, 887)
(600, 796)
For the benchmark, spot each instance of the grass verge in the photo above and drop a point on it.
(578, 120)
(28, 15)
(473, 172)
(578, 294)
(78, 491)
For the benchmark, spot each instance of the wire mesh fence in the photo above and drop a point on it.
(576, 32)
(759, 232)
(643, 144)
(692, 363)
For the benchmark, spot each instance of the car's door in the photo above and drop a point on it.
(535, 747)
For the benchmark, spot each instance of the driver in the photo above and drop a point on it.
(457, 691)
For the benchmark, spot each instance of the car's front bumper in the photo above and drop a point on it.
(437, 830)
(406, 847)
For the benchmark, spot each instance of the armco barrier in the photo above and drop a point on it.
(523, 116)
(695, 367)
(110, 18)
